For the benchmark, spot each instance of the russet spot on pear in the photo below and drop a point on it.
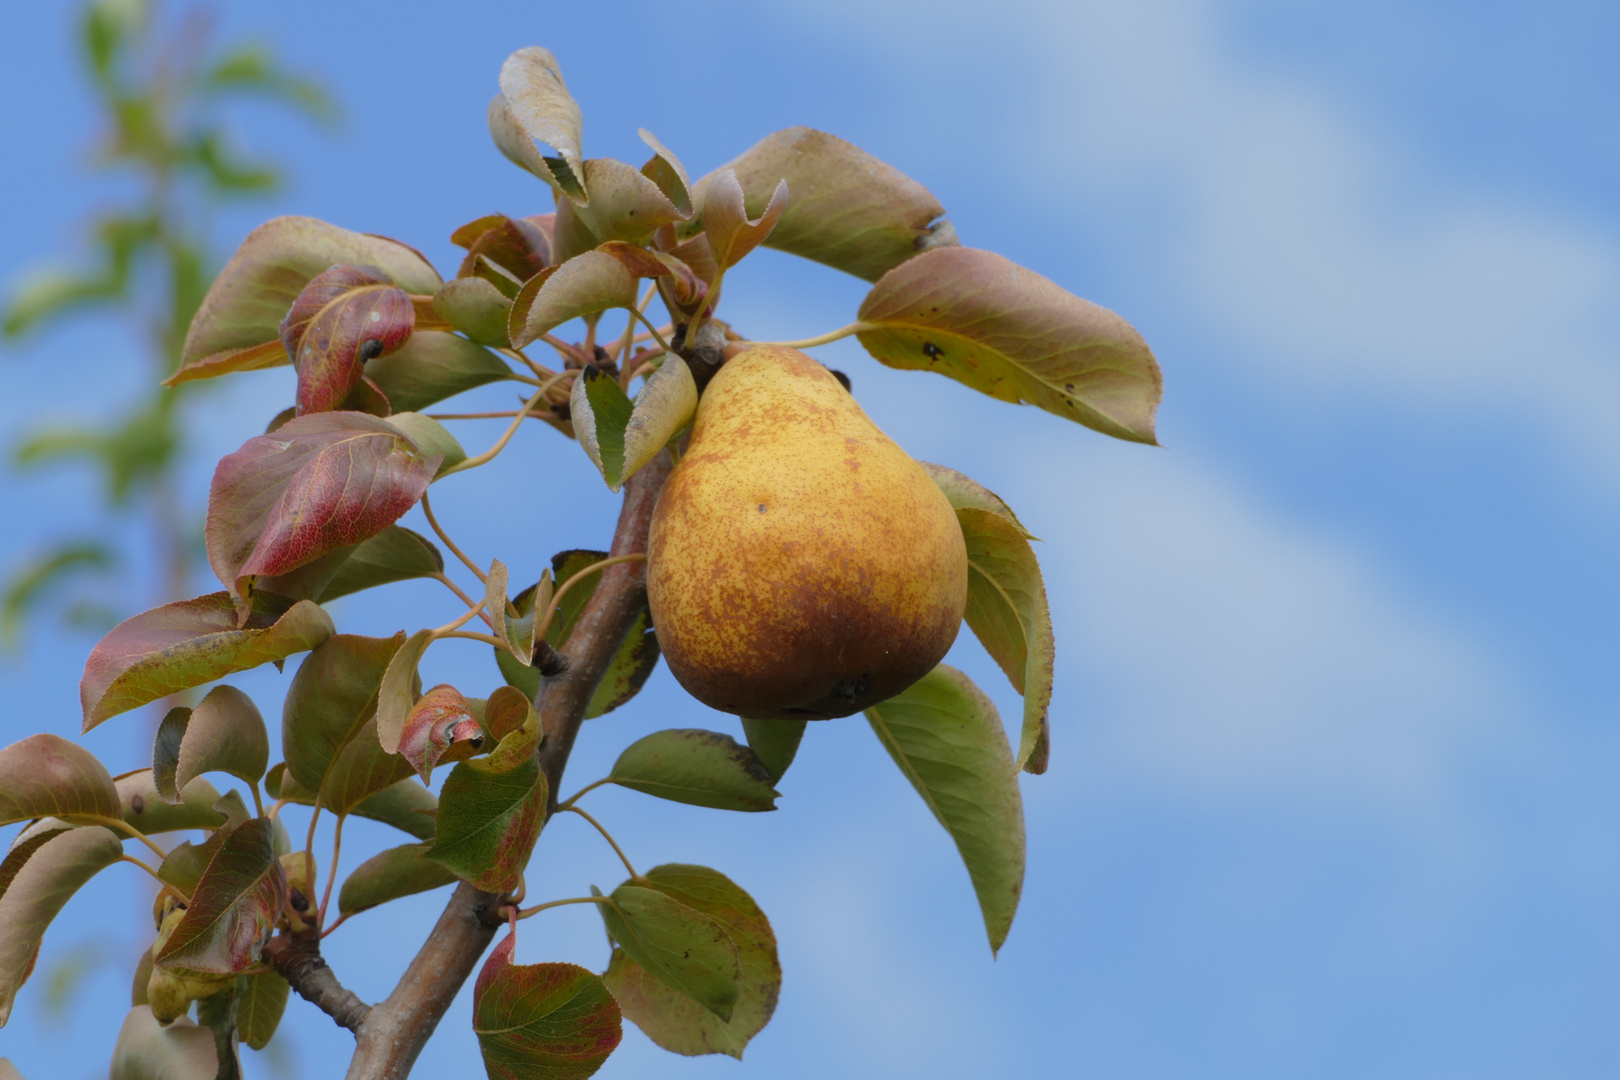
(800, 564)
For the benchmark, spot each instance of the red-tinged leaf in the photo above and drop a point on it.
(696, 253)
(506, 711)
(517, 245)
(1006, 609)
(186, 644)
(682, 947)
(225, 733)
(683, 284)
(435, 724)
(539, 108)
(148, 1050)
(468, 234)
(672, 1019)
(149, 812)
(49, 876)
(476, 308)
(556, 1021)
(45, 775)
(245, 305)
(389, 875)
(316, 484)
(666, 170)
(397, 692)
(1012, 334)
(584, 285)
(488, 823)
(850, 210)
(945, 735)
(344, 317)
(732, 233)
(625, 204)
(234, 908)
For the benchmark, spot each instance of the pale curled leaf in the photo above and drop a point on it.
(732, 233)
(188, 643)
(666, 170)
(1012, 334)
(948, 741)
(588, 283)
(679, 945)
(625, 204)
(1007, 611)
(45, 775)
(553, 1021)
(396, 694)
(701, 768)
(664, 406)
(432, 439)
(37, 890)
(233, 909)
(538, 106)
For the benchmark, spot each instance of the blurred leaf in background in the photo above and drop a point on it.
(161, 89)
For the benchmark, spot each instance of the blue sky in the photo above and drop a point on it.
(1333, 745)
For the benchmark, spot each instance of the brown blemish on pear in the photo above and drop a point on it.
(801, 565)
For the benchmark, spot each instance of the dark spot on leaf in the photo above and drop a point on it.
(138, 804)
(1069, 387)
(932, 351)
(370, 349)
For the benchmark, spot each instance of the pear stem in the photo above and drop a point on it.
(824, 339)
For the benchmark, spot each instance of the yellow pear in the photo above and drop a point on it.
(800, 564)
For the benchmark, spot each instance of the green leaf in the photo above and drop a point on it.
(732, 233)
(389, 875)
(260, 1001)
(1012, 334)
(700, 768)
(225, 733)
(234, 908)
(434, 365)
(665, 405)
(666, 170)
(774, 742)
(678, 945)
(184, 865)
(488, 823)
(964, 492)
(146, 1050)
(344, 317)
(149, 812)
(431, 437)
(625, 203)
(331, 697)
(675, 1021)
(395, 554)
(361, 770)
(587, 284)
(436, 726)
(1006, 609)
(45, 775)
(476, 308)
(188, 643)
(37, 889)
(317, 483)
(253, 293)
(397, 692)
(516, 634)
(849, 210)
(601, 413)
(404, 804)
(946, 737)
(535, 106)
(551, 1021)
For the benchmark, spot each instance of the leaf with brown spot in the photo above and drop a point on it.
(188, 643)
(318, 483)
(1010, 333)
(587, 284)
(732, 233)
(436, 724)
(534, 105)
(553, 1021)
(488, 823)
(850, 210)
(700, 768)
(149, 812)
(345, 316)
(51, 870)
(45, 775)
(234, 908)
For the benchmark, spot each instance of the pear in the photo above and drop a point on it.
(800, 564)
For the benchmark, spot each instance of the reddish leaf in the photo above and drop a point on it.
(488, 823)
(316, 484)
(518, 246)
(732, 234)
(556, 1021)
(189, 643)
(45, 775)
(506, 711)
(435, 724)
(344, 317)
(1012, 334)
(234, 908)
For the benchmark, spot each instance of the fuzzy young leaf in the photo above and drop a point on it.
(432, 366)
(476, 308)
(540, 109)
(188, 643)
(45, 775)
(436, 725)
(625, 204)
(521, 643)
(849, 211)
(678, 945)
(1012, 334)
(665, 405)
(1006, 609)
(260, 1002)
(774, 742)
(244, 307)
(147, 1050)
(732, 233)
(389, 875)
(675, 1021)
(147, 810)
(587, 284)
(36, 891)
(700, 768)
(344, 317)
(225, 733)
(316, 484)
(234, 908)
(946, 737)
(488, 823)
(556, 1021)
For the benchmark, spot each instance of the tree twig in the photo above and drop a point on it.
(297, 955)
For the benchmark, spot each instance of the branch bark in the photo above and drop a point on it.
(391, 1037)
(297, 956)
